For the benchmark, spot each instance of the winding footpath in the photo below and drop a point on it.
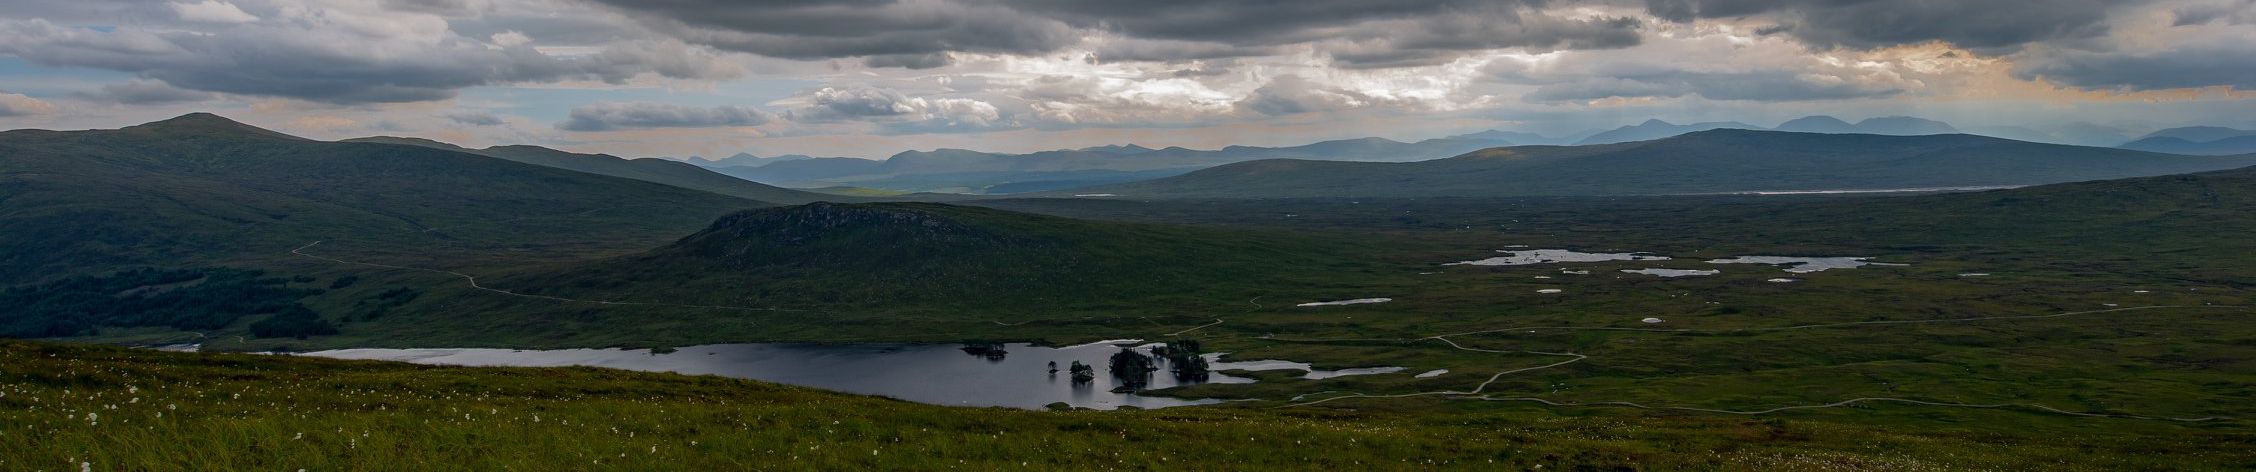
(1475, 393)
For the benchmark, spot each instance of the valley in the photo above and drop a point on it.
(2102, 308)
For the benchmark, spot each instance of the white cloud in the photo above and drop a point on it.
(211, 11)
(19, 105)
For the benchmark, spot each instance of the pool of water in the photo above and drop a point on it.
(1673, 272)
(940, 374)
(1804, 265)
(1551, 256)
(1358, 301)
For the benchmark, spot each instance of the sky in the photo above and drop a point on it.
(868, 78)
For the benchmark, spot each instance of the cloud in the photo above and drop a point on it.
(910, 33)
(342, 52)
(609, 116)
(1717, 66)
(146, 92)
(895, 112)
(2197, 44)
(1997, 25)
(475, 119)
(910, 61)
(2189, 66)
(807, 29)
(19, 105)
(1293, 94)
(211, 11)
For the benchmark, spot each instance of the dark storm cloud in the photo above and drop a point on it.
(1987, 24)
(2228, 64)
(145, 92)
(618, 116)
(910, 61)
(2239, 13)
(1440, 39)
(475, 119)
(1389, 33)
(326, 66)
(811, 29)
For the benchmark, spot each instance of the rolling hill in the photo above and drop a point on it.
(1717, 161)
(1657, 129)
(669, 172)
(922, 255)
(2175, 145)
(202, 189)
(2200, 133)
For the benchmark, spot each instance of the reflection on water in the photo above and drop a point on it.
(1549, 256)
(1358, 301)
(1674, 272)
(941, 374)
(1804, 265)
(1309, 371)
(1016, 375)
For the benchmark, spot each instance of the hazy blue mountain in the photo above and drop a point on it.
(1657, 129)
(1902, 126)
(2200, 134)
(1519, 138)
(968, 171)
(2089, 134)
(803, 172)
(1816, 124)
(2245, 144)
(1716, 161)
(1117, 149)
(744, 159)
(664, 171)
(2016, 133)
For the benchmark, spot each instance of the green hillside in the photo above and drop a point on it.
(669, 172)
(926, 256)
(1719, 161)
(201, 189)
(73, 407)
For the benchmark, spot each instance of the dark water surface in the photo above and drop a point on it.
(941, 374)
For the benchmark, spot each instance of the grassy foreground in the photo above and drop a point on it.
(64, 407)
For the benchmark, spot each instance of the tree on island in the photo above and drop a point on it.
(1132, 368)
(1185, 358)
(1082, 372)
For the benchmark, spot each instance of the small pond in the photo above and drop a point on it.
(940, 374)
(1672, 273)
(1804, 265)
(1552, 256)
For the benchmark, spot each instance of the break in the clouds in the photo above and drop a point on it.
(869, 77)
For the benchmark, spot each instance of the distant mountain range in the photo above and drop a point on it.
(1888, 125)
(1714, 161)
(967, 171)
(744, 159)
(664, 171)
(976, 172)
(2197, 140)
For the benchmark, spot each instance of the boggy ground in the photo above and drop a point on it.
(67, 407)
